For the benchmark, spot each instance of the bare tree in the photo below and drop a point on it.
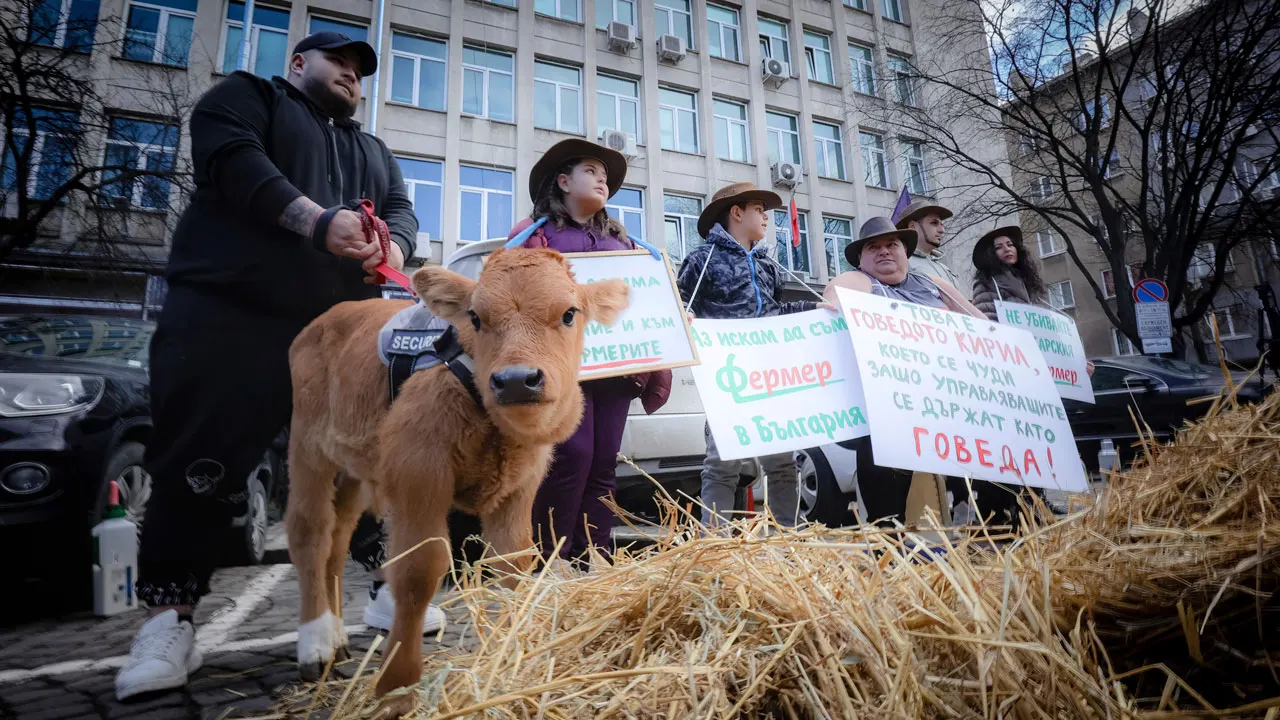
(1149, 127)
(76, 148)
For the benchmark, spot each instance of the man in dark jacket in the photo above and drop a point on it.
(264, 247)
(732, 276)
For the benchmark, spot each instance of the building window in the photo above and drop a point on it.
(1204, 262)
(674, 17)
(1061, 296)
(891, 10)
(1101, 233)
(1232, 323)
(678, 120)
(49, 157)
(618, 105)
(680, 222)
(731, 131)
(724, 34)
(1109, 283)
(423, 182)
(1027, 144)
(1121, 344)
(863, 65)
(1049, 243)
(627, 207)
(837, 234)
(1111, 166)
(784, 137)
(873, 159)
(159, 31)
(487, 84)
(1091, 110)
(828, 148)
(484, 204)
(817, 55)
(904, 86)
(355, 32)
(557, 97)
(268, 43)
(139, 146)
(607, 11)
(66, 24)
(1042, 187)
(773, 40)
(795, 259)
(857, 5)
(419, 73)
(563, 9)
(914, 171)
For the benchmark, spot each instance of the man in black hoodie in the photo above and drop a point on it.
(265, 247)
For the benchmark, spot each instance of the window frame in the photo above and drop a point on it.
(874, 152)
(161, 34)
(823, 151)
(775, 134)
(906, 158)
(833, 247)
(60, 30)
(1055, 250)
(618, 101)
(768, 43)
(35, 160)
(720, 27)
(613, 14)
(1065, 284)
(485, 194)
(782, 239)
(418, 60)
(254, 47)
(487, 89)
(675, 120)
(624, 210)
(901, 17)
(745, 122)
(686, 226)
(577, 5)
(659, 8)
(863, 70)
(811, 53)
(137, 188)
(558, 88)
(1228, 331)
(858, 5)
(1116, 338)
(411, 186)
(899, 67)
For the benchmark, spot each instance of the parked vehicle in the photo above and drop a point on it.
(74, 415)
(1157, 390)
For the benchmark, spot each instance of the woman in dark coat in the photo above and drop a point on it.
(1004, 271)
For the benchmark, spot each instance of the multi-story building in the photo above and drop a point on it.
(470, 92)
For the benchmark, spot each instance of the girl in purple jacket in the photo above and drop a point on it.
(569, 187)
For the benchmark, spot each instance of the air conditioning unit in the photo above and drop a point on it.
(785, 174)
(775, 72)
(621, 36)
(671, 47)
(620, 141)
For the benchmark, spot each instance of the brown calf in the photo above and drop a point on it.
(432, 449)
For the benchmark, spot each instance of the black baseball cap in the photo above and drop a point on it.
(330, 40)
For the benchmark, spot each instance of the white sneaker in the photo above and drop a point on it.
(163, 655)
(382, 609)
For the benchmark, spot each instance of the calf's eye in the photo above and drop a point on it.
(475, 320)
(568, 316)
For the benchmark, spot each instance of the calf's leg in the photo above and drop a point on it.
(310, 521)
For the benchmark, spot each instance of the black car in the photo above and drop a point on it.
(1157, 391)
(74, 415)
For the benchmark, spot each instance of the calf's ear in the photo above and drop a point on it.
(446, 293)
(602, 301)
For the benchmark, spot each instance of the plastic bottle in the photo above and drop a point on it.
(115, 559)
(1108, 458)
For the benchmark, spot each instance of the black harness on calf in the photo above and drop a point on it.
(414, 350)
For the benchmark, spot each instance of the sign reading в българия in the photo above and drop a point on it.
(957, 395)
(777, 384)
(1059, 342)
(652, 333)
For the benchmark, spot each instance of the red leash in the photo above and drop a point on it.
(375, 229)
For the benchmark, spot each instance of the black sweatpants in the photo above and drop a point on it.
(883, 490)
(220, 393)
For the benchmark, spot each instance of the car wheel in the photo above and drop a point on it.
(126, 468)
(252, 542)
(821, 500)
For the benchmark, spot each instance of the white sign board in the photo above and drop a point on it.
(1151, 346)
(652, 333)
(1153, 320)
(777, 384)
(1059, 342)
(957, 395)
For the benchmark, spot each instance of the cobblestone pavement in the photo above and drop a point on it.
(64, 668)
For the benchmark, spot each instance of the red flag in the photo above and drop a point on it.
(795, 223)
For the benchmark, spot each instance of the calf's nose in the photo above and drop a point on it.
(517, 384)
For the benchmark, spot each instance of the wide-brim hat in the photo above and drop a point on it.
(1012, 231)
(557, 156)
(917, 209)
(330, 40)
(874, 229)
(735, 194)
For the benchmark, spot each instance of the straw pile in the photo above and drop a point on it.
(858, 623)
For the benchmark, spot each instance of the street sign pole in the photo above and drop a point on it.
(1151, 311)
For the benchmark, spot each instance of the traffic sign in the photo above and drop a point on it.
(1150, 290)
(1151, 346)
(1153, 320)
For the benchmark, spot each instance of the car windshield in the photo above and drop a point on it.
(1182, 368)
(120, 342)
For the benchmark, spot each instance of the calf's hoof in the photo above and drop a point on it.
(320, 642)
(396, 705)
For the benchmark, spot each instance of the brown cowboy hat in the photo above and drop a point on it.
(730, 195)
(917, 209)
(1011, 231)
(874, 229)
(557, 156)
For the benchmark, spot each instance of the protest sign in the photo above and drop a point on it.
(958, 395)
(652, 333)
(1059, 342)
(777, 384)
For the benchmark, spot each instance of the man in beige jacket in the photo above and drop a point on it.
(928, 220)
